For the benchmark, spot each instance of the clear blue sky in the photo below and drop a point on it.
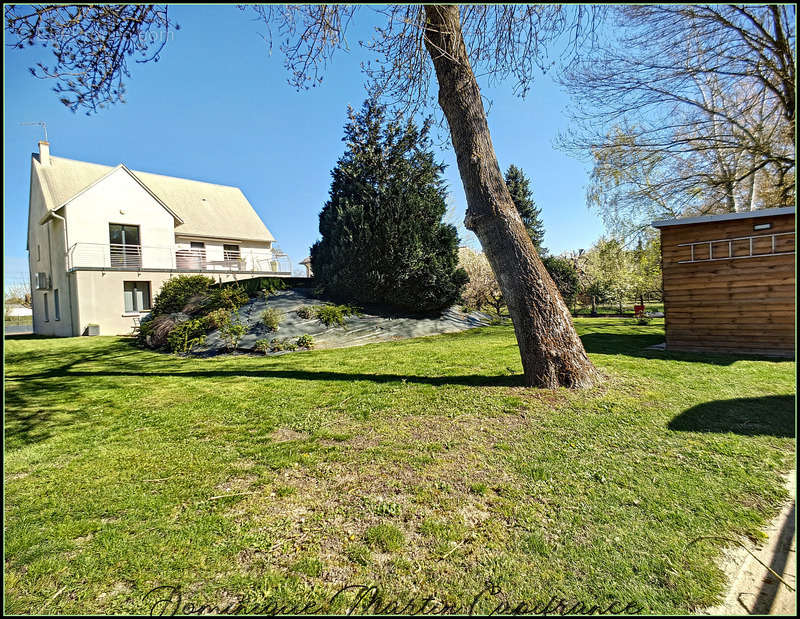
(218, 108)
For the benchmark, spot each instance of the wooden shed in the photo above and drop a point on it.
(729, 282)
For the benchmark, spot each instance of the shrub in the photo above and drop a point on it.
(232, 333)
(305, 341)
(176, 292)
(271, 318)
(642, 320)
(229, 297)
(185, 336)
(252, 287)
(217, 318)
(307, 312)
(331, 315)
(262, 346)
(155, 332)
(286, 343)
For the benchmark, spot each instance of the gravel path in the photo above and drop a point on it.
(358, 330)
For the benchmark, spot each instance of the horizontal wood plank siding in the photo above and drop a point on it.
(731, 305)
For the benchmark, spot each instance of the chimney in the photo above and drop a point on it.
(44, 152)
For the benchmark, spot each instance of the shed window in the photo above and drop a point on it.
(56, 304)
(46, 309)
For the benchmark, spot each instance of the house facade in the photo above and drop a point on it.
(729, 282)
(103, 239)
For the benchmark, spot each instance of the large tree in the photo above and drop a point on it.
(417, 42)
(383, 239)
(519, 186)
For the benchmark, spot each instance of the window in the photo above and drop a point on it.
(137, 297)
(38, 252)
(55, 302)
(125, 248)
(231, 252)
(46, 309)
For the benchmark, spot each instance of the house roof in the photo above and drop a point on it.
(767, 212)
(200, 209)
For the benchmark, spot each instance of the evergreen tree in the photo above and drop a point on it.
(383, 239)
(519, 186)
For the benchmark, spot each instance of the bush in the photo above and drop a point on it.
(331, 315)
(307, 312)
(155, 331)
(185, 336)
(252, 287)
(232, 333)
(271, 318)
(176, 292)
(228, 297)
(217, 318)
(305, 341)
(286, 343)
(262, 346)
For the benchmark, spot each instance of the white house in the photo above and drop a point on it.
(102, 240)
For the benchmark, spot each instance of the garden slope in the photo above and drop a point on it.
(357, 330)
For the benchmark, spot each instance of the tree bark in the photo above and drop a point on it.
(551, 351)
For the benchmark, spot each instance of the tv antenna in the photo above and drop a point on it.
(42, 124)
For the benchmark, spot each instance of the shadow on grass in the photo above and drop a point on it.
(637, 345)
(768, 415)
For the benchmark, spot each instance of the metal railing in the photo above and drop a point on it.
(115, 256)
(730, 243)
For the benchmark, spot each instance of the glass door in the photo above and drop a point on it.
(126, 250)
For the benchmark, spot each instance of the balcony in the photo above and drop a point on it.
(119, 257)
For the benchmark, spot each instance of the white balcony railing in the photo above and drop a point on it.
(135, 257)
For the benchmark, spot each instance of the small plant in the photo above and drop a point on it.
(232, 333)
(271, 318)
(358, 553)
(286, 343)
(305, 341)
(335, 315)
(642, 320)
(262, 346)
(385, 537)
(478, 488)
(217, 318)
(186, 335)
(307, 312)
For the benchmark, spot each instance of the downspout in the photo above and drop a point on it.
(66, 255)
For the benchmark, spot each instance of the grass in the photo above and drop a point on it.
(421, 466)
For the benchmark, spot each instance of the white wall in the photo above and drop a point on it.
(119, 199)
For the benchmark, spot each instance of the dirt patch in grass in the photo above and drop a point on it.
(282, 435)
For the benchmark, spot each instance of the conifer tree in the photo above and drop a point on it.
(519, 186)
(383, 239)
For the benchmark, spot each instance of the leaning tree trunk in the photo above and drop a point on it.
(552, 353)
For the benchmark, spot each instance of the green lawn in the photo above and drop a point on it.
(420, 466)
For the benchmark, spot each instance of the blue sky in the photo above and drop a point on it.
(218, 108)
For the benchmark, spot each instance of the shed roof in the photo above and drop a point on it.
(204, 209)
(681, 221)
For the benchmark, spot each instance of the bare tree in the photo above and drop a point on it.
(687, 109)
(416, 44)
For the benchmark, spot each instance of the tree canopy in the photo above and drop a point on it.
(686, 109)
